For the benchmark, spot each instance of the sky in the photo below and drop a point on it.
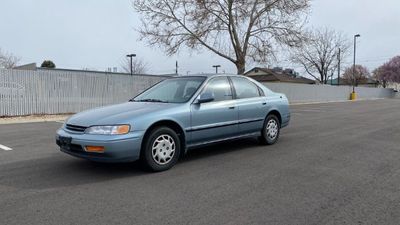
(97, 34)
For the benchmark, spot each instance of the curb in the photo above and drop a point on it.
(327, 102)
(14, 120)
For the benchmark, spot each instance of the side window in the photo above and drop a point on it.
(220, 88)
(245, 88)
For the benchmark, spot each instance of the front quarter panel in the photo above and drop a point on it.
(179, 114)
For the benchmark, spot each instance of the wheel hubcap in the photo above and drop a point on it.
(272, 129)
(163, 149)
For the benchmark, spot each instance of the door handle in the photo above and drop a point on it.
(232, 107)
(264, 103)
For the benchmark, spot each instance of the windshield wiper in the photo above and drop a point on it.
(150, 100)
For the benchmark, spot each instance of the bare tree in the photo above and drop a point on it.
(361, 74)
(319, 53)
(138, 66)
(236, 30)
(8, 60)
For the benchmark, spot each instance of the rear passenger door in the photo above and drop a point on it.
(251, 103)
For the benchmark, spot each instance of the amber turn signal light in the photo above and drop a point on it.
(124, 129)
(98, 149)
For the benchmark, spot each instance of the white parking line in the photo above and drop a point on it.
(5, 148)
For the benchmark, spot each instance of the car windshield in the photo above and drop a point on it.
(174, 90)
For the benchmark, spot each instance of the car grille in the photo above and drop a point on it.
(75, 128)
(70, 147)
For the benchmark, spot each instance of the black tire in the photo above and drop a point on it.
(266, 138)
(155, 163)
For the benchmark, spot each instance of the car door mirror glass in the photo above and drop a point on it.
(205, 97)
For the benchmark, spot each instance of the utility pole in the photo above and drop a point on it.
(216, 68)
(338, 74)
(176, 67)
(131, 56)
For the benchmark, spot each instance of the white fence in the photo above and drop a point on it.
(26, 92)
(299, 93)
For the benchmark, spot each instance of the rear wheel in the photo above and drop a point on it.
(162, 149)
(271, 130)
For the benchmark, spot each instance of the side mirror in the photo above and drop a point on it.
(205, 97)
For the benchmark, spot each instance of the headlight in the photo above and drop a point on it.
(108, 130)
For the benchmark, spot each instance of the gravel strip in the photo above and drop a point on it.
(33, 119)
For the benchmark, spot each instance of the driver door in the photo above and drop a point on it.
(217, 119)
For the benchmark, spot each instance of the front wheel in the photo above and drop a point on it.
(270, 131)
(162, 149)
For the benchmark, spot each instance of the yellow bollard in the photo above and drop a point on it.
(353, 96)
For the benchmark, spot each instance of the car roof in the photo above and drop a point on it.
(210, 75)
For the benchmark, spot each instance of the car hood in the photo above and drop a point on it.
(116, 114)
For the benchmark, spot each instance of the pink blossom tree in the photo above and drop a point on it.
(361, 74)
(388, 72)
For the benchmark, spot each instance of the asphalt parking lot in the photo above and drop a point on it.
(337, 163)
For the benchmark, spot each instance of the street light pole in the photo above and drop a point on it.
(216, 68)
(339, 59)
(131, 56)
(354, 61)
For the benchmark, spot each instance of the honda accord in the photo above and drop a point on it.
(176, 115)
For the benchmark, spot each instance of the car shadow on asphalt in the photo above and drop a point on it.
(59, 170)
(219, 149)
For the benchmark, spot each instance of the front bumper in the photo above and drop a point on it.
(285, 120)
(118, 148)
